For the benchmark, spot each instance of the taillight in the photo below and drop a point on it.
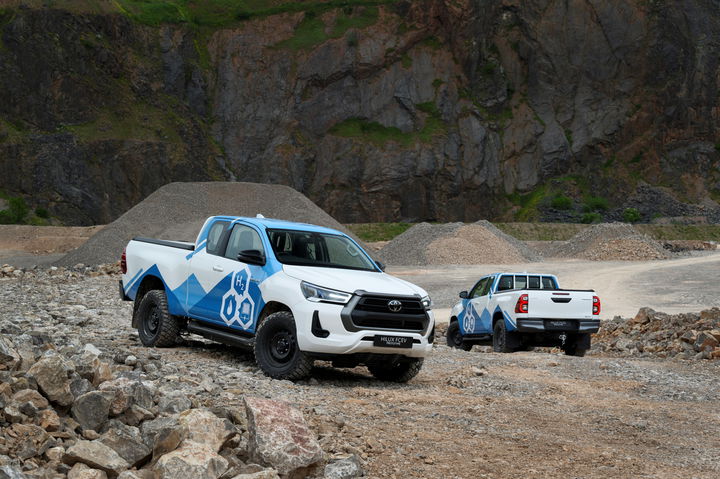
(522, 304)
(596, 305)
(123, 262)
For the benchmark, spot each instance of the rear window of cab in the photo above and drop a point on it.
(509, 282)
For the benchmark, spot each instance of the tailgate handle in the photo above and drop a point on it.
(561, 300)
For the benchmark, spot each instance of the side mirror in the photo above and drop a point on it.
(463, 294)
(251, 256)
(380, 265)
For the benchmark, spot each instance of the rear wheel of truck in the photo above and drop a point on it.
(276, 349)
(157, 327)
(455, 339)
(397, 371)
(575, 351)
(500, 338)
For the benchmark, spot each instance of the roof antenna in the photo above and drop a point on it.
(259, 216)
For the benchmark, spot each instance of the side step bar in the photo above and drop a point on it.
(225, 337)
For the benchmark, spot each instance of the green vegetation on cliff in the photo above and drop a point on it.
(222, 13)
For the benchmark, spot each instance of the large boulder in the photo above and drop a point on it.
(191, 461)
(279, 436)
(96, 455)
(52, 376)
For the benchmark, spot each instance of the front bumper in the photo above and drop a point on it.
(543, 325)
(321, 329)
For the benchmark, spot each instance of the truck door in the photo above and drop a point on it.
(234, 300)
(477, 318)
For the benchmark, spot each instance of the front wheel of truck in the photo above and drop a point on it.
(397, 371)
(276, 349)
(455, 339)
(157, 327)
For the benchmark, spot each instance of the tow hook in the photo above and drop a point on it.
(563, 337)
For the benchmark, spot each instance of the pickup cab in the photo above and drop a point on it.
(292, 292)
(516, 311)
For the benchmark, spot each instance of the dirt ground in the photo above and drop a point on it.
(467, 414)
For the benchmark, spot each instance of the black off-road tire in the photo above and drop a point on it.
(276, 349)
(500, 338)
(156, 326)
(575, 351)
(397, 371)
(454, 338)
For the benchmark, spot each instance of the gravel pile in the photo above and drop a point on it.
(178, 210)
(651, 333)
(611, 241)
(456, 243)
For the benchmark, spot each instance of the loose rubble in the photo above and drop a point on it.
(651, 333)
(123, 423)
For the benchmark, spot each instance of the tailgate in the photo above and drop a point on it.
(550, 304)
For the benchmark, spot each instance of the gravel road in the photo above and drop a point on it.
(673, 286)
(467, 414)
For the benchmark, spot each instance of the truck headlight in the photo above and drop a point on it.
(427, 302)
(323, 295)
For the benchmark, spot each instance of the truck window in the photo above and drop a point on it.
(242, 238)
(548, 283)
(309, 248)
(533, 282)
(480, 287)
(520, 282)
(214, 237)
(505, 283)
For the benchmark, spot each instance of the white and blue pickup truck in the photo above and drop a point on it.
(292, 292)
(516, 311)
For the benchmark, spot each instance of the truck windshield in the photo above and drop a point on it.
(306, 248)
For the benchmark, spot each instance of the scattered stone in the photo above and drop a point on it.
(264, 474)
(191, 461)
(97, 455)
(82, 471)
(204, 427)
(347, 468)
(51, 374)
(279, 436)
(127, 442)
(91, 410)
(174, 402)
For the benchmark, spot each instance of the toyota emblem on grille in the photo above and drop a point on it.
(394, 305)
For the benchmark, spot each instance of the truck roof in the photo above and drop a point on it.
(273, 223)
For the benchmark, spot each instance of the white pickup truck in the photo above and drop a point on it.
(516, 311)
(292, 292)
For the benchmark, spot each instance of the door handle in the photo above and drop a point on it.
(218, 269)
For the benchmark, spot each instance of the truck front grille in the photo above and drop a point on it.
(377, 312)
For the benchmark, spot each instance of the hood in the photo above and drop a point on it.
(350, 280)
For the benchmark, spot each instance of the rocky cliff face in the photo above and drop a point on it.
(423, 110)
